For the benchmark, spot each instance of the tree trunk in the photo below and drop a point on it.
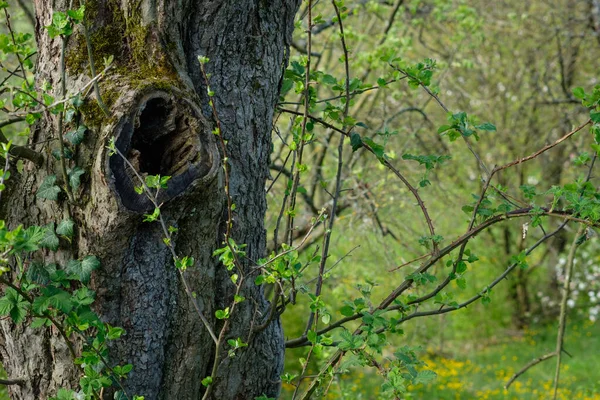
(161, 119)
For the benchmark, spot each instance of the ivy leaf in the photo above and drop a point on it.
(50, 240)
(48, 190)
(74, 177)
(83, 269)
(39, 273)
(65, 228)
(67, 153)
(76, 136)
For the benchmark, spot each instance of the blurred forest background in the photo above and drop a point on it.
(512, 63)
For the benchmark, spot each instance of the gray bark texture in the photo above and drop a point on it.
(161, 120)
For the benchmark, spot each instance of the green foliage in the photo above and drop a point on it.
(48, 189)
(462, 125)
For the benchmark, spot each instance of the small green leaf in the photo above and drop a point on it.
(355, 141)
(222, 314)
(328, 79)
(207, 381)
(74, 177)
(486, 126)
(83, 269)
(48, 190)
(424, 377)
(579, 93)
(65, 228)
(50, 240)
(77, 136)
(152, 217)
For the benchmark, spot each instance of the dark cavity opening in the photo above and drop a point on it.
(164, 139)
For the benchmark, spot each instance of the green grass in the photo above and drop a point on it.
(479, 368)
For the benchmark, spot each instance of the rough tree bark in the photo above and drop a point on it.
(161, 119)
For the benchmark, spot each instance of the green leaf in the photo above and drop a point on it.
(14, 305)
(114, 332)
(39, 273)
(50, 240)
(40, 304)
(152, 217)
(328, 79)
(39, 322)
(378, 149)
(424, 377)
(444, 128)
(461, 267)
(355, 141)
(77, 136)
(48, 190)
(83, 269)
(579, 93)
(74, 177)
(64, 394)
(347, 311)
(207, 381)
(487, 127)
(222, 314)
(77, 15)
(29, 239)
(65, 228)
(61, 300)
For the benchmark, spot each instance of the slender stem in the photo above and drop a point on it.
(338, 178)
(14, 381)
(563, 306)
(529, 365)
(61, 145)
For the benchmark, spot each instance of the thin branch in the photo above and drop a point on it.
(23, 152)
(387, 164)
(338, 178)
(15, 381)
(563, 306)
(529, 365)
(386, 303)
(543, 149)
